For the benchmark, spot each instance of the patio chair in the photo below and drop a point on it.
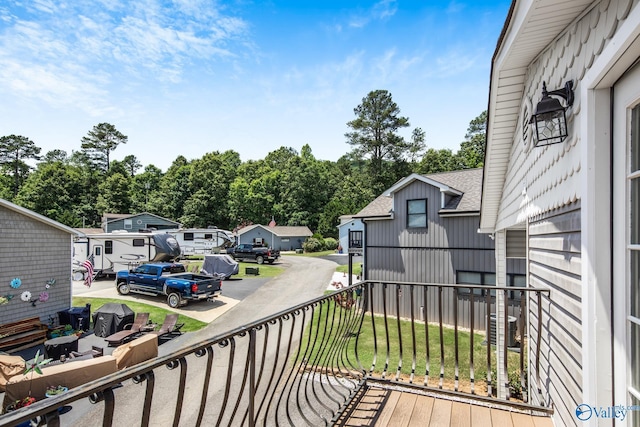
(169, 328)
(94, 352)
(130, 330)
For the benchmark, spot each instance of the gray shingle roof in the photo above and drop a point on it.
(281, 230)
(467, 181)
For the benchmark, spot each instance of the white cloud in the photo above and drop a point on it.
(382, 10)
(67, 43)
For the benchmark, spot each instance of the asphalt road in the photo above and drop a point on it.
(304, 279)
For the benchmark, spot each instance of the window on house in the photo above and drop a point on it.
(489, 279)
(188, 236)
(138, 242)
(108, 246)
(128, 224)
(417, 213)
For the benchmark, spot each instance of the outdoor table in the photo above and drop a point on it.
(56, 347)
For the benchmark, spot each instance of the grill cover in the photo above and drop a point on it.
(111, 318)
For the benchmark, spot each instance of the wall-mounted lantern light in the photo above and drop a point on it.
(550, 120)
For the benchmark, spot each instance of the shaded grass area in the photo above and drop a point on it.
(401, 357)
(266, 270)
(156, 314)
(314, 254)
(357, 268)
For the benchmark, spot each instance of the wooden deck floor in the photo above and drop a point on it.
(381, 407)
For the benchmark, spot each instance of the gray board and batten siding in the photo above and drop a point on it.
(435, 254)
(555, 264)
(35, 252)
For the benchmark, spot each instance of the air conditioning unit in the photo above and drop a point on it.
(512, 325)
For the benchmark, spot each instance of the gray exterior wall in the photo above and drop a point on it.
(555, 264)
(34, 252)
(141, 221)
(427, 255)
(271, 240)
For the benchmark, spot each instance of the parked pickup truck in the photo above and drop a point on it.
(170, 280)
(248, 252)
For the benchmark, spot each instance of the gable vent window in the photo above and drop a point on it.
(417, 213)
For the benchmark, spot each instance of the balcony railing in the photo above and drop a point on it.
(305, 365)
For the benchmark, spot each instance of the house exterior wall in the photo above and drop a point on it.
(552, 189)
(141, 221)
(433, 255)
(34, 252)
(286, 243)
(343, 232)
(539, 180)
(555, 264)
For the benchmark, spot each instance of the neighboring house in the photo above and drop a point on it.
(577, 200)
(350, 230)
(280, 237)
(35, 251)
(425, 229)
(136, 222)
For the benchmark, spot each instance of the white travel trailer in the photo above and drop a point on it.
(120, 250)
(202, 240)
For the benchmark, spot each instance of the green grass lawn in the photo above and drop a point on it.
(156, 314)
(357, 268)
(314, 254)
(266, 270)
(366, 339)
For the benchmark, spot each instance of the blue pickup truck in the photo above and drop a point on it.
(170, 280)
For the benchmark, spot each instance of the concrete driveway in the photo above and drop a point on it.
(233, 291)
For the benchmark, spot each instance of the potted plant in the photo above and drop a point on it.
(55, 390)
(22, 403)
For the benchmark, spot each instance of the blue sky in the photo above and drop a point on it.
(193, 76)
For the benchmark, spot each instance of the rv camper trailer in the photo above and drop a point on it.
(121, 250)
(202, 240)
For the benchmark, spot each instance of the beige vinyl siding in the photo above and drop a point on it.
(34, 252)
(554, 263)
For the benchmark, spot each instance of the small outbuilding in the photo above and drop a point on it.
(280, 237)
(350, 230)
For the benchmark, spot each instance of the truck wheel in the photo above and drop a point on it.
(173, 300)
(123, 288)
(259, 259)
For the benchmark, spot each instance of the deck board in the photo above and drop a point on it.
(421, 414)
(441, 414)
(460, 415)
(388, 408)
(402, 412)
(393, 408)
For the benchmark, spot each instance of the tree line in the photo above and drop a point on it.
(291, 187)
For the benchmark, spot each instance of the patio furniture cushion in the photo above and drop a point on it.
(129, 331)
(10, 366)
(69, 374)
(136, 351)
